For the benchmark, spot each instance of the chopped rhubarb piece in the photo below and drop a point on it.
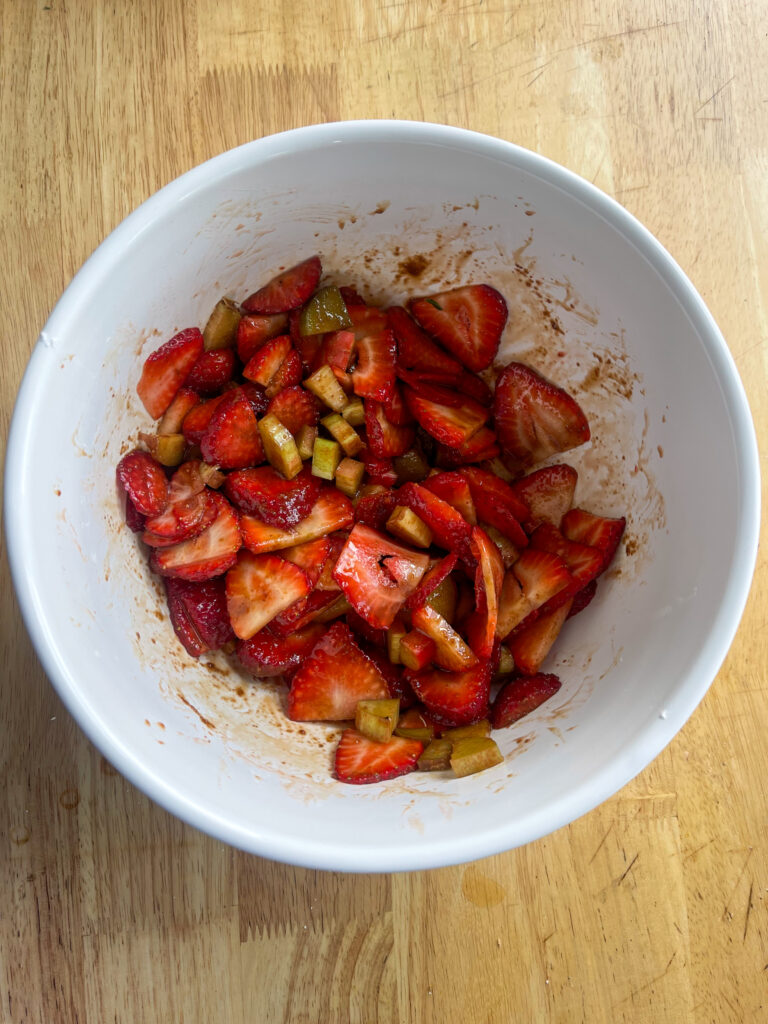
(210, 554)
(454, 698)
(548, 493)
(349, 476)
(535, 418)
(334, 677)
(144, 481)
(405, 524)
(436, 756)
(469, 321)
(166, 369)
(519, 697)
(395, 636)
(323, 384)
(360, 760)
(220, 331)
(332, 511)
(415, 725)
(416, 651)
(325, 311)
(259, 587)
(305, 442)
(343, 433)
(377, 575)
(326, 456)
(279, 446)
(354, 412)
(266, 654)
(461, 732)
(474, 754)
(288, 290)
(376, 719)
(265, 493)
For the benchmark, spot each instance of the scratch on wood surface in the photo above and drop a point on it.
(648, 984)
(600, 844)
(726, 909)
(715, 93)
(697, 850)
(749, 910)
(631, 864)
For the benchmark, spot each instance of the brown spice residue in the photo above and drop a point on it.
(413, 266)
(381, 208)
(206, 722)
(630, 545)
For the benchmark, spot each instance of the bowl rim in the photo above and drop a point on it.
(650, 737)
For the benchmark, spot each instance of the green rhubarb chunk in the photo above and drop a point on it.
(326, 456)
(376, 719)
(461, 732)
(436, 756)
(474, 754)
(325, 311)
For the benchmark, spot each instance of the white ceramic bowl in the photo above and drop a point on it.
(673, 448)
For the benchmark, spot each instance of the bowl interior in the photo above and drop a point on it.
(594, 304)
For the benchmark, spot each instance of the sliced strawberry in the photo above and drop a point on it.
(295, 407)
(303, 612)
(259, 587)
(333, 678)
(375, 509)
(358, 625)
(530, 646)
(453, 488)
(379, 471)
(182, 520)
(469, 321)
(196, 421)
(253, 331)
(474, 386)
(265, 654)
(536, 578)
(310, 557)
(597, 531)
(396, 410)
(450, 530)
(479, 448)
(374, 375)
(256, 395)
(535, 418)
(288, 290)
(173, 417)
(582, 598)
(454, 698)
(367, 321)
(360, 760)
(338, 347)
(266, 494)
(288, 374)
(134, 519)
(451, 651)
(332, 511)
(450, 424)
(416, 351)
(144, 481)
(519, 697)
(497, 503)
(385, 439)
(417, 650)
(489, 577)
(212, 371)
(377, 574)
(583, 562)
(231, 439)
(309, 347)
(209, 554)
(548, 494)
(431, 581)
(199, 614)
(166, 370)
(336, 543)
(351, 296)
(266, 361)
(444, 392)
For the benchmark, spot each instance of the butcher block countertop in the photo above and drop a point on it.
(651, 908)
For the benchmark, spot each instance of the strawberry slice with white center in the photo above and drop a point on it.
(535, 578)
(259, 587)
(489, 577)
(209, 554)
(310, 557)
(265, 493)
(189, 510)
(417, 352)
(597, 531)
(453, 488)
(360, 760)
(535, 418)
(332, 511)
(231, 439)
(377, 575)
(519, 697)
(267, 360)
(454, 698)
(374, 375)
(386, 440)
(265, 654)
(547, 493)
(531, 645)
(450, 423)
(144, 481)
(583, 561)
(333, 678)
(288, 290)
(166, 370)
(469, 321)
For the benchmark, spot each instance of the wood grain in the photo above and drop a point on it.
(652, 907)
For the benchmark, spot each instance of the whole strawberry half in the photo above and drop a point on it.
(333, 678)
(287, 290)
(144, 481)
(468, 321)
(295, 407)
(212, 371)
(265, 493)
(535, 418)
(360, 760)
(519, 697)
(199, 614)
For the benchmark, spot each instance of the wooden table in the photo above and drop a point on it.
(652, 907)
